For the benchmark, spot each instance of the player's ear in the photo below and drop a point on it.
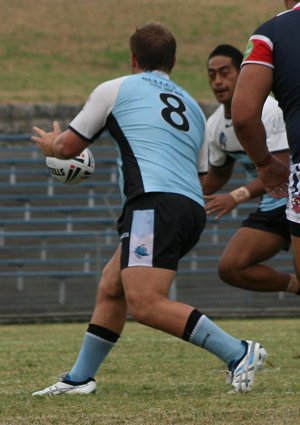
(134, 64)
(174, 61)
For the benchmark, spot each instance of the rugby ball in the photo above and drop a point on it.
(74, 170)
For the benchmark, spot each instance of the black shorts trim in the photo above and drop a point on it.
(294, 228)
(273, 221)
(157, 229)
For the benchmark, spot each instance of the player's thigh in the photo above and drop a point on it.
(146, 284)
(250, 246)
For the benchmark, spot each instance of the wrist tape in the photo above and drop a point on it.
(240, 194)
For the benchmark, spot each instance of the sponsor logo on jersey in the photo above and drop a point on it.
(222, 140)
(249, 49)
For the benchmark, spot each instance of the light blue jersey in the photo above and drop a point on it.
(158, 128)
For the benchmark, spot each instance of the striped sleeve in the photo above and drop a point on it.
(259, 51)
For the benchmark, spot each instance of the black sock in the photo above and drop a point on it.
(190, 324)
(103, 332)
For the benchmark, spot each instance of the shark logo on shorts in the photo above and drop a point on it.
(141, 251)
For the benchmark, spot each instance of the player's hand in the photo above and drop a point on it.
(45, 140)
(220, 204)
(274, 177)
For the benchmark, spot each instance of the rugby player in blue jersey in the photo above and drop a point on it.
(158, 129)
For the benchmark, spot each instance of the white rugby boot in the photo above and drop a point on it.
(65, 386)
(242, 376)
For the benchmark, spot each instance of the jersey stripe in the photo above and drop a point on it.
(260, 50)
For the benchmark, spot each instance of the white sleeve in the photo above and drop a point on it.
(91, 120)
(272, 118)
(216, 157)
(203, 157)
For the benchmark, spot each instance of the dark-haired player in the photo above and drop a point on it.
(265, 231)
(272, 62)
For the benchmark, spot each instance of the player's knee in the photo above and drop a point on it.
(110, 285)
(226, 271)
(141, 309)
(140, 316)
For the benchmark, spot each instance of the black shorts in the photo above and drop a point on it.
(273, 221)
(157, 229)
(294, 228)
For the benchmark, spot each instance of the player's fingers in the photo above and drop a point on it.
(210, 205)
(218, 216)
(283, 189)
(56, 127)
(39, 131)
(209, 197)
(278, 192)
(213, 209)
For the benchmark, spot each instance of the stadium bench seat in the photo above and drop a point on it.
(54, 238)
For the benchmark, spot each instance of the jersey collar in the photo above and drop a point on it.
(160, 73)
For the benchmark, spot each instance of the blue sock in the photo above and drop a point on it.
(96, 345)
(209, 336)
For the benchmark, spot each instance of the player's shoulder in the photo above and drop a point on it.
(216, 116)
(271, 106)
(266, 28)
(189, 99)
(178, 89)
(109, 84)
(107, 89)
(215, 123)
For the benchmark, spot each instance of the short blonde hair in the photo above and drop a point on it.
(154, 47)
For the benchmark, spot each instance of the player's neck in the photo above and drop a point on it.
(227, 110)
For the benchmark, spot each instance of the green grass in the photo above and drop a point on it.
(149, 378)
(59, 50)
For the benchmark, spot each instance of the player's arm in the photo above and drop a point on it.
(253, 87)
(256, 188)
(84, 128)
(217, 177)
(221, 204)
(63, 145)
(214, 180)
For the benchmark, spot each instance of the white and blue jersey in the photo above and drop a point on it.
(158, 128)
(223, 144)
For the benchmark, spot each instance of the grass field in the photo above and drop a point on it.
(59, 50)
(150, 378)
